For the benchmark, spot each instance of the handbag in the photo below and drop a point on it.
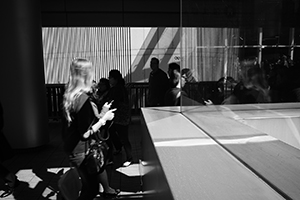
(96, 153)
(70, 184)
(95, 157)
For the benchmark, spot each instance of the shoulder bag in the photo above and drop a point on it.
(96, 153)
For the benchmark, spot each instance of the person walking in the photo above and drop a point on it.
(80, 127)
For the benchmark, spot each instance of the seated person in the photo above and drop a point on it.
(176, 95)
(187, 74)
(173, 95)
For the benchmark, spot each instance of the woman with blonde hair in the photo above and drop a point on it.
(81, 124)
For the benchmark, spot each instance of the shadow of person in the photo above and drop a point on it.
(22, 189)
(42, 186)
(51, 178)
(48, 184)
(3, 188)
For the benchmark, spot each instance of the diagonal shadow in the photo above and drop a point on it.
(48, 182)
(138, 72)
(171, 49)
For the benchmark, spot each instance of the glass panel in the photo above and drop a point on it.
(208, 54)
(297, 55)
(216, 37)
(249, 36)
(285, 36)
(297, 36)
(271, 53)
(296, 49)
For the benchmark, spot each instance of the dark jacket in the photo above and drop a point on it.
(119, 95)
(82, 117)
(158, 86)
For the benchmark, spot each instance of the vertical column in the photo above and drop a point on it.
(22, 79)
(260, 45)
(292, 43)
(226, 54)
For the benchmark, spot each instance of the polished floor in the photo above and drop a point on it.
(39, 169)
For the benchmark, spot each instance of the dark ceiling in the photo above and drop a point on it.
(166, 13)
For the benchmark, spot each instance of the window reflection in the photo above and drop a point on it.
(214, 54)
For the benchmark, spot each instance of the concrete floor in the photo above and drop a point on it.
(39, 169)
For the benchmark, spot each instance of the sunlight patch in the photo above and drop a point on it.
(131, 170)
(26, 175)
(204, 142)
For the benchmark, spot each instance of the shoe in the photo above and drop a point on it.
(12, 181)
(127, 163)
(7, 191)
(10, 186)
(111, 195)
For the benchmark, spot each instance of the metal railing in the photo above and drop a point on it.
(54, 95)
(54, 92)
(137, 95)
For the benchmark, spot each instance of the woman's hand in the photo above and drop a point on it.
(105, 108)
(109, 115)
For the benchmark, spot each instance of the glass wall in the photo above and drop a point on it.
(209, 44)
(217, 37)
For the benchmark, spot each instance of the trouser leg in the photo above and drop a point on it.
(124, 138)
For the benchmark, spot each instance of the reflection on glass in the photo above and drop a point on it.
(209, 57)
(218, 35)
(213, 57)
(297, 36)
(252, 86)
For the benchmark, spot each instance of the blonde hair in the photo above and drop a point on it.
(80, 80)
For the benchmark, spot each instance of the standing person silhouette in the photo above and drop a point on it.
(158, 84)
(79, 117)
(119, 128)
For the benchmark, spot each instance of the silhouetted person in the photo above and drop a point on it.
(158, 84)
(119, 128)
